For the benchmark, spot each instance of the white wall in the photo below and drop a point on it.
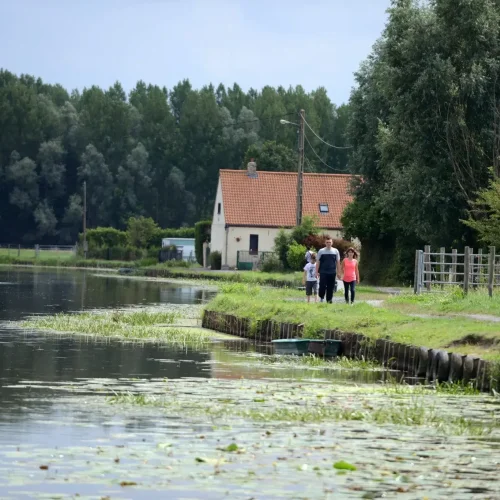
(218, 236)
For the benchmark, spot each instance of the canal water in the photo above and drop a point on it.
(60, 437)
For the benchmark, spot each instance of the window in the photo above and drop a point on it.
(323, 208)
(219, 207)
(254, 244)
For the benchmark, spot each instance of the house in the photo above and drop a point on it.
(251, 206)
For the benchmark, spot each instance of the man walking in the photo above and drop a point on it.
(327, 270)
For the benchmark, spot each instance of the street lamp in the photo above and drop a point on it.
(286, 122)
(298, 215)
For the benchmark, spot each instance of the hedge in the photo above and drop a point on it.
(201, 234)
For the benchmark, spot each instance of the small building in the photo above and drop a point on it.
(251, 206)
(183, 245)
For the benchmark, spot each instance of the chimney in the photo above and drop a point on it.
(252, 169)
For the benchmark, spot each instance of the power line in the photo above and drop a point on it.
(322, 161)
(322, 140)
(269, 118)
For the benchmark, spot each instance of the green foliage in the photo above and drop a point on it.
(484, 215)
(140, 231)
(308, 227)
(154, 153)
(271, 264)
(296, 256)
(159, 233)
(201, 234)
(105, 237)
(272, 157)
(422, 127)
(282, 242)
(215, 261)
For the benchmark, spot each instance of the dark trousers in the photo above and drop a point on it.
(349, 285)
(326, 284)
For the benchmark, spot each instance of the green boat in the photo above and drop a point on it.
(299, 347)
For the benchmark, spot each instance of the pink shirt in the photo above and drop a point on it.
(350, 270)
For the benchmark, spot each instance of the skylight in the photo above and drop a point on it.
(323, 208)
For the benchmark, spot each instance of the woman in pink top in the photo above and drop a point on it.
(350, 274)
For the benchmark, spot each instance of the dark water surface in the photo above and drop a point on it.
(47, 418)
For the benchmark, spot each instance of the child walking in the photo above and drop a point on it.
(350, 274)
(309, 278)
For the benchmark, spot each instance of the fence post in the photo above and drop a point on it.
(442, 251)
(19, 250)
(479, 266)
(491, 270)
(420, 277)
(415, 274)
(428, 267)
(37, 251)
(454, 265)
(466, 269)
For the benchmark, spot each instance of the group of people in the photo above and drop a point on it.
(326, 267)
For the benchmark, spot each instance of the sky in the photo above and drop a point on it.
(79, 43)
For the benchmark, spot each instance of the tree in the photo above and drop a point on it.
(272, 157)
(484, 215)
(140, 230)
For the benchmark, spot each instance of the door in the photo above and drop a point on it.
(254, 244)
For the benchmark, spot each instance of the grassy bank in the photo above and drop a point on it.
(460, 334)
(145, 325)
(58, 261)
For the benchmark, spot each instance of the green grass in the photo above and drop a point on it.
(381, 322)
(51, 261)
(30, 254)
(270, 407)
(451, 300)
(137, 325)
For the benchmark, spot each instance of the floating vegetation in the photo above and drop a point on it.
(159, 325)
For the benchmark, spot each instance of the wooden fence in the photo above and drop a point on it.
(467, 269)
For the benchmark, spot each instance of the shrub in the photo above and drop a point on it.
(104, 237)
(296, 256)
(271, 264)
(215, 261)
(307, 228)
(201, 234)
(140, 231)
(281, 244)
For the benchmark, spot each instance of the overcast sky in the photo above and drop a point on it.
(79, 43)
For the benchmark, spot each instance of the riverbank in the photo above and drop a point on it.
(457, 333)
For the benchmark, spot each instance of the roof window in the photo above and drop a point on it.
(323, 208)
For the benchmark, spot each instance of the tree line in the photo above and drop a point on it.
(153, 152)
(425, 131)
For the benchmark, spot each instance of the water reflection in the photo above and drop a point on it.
(49, 291)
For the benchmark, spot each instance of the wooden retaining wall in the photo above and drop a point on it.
(432, 364)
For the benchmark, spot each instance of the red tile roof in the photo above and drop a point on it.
(270, 199)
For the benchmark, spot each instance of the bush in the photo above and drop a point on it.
(271, 264)
(281, 244)
(201, 234)
(104, 237)
(296, 256)
(127, 253)
(140, 231)
(215, 261)
(307, 228)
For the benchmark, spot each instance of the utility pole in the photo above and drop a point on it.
(84, 219)
(298, 218)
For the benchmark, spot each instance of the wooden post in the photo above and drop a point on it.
(427, 273)
(491, 270)
(454, 265)
(479, 267)
(420, 271)
(442, 251)
(466, 269)
(416, 276)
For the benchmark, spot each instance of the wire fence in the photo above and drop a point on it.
(468, 269)
(38, 251)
